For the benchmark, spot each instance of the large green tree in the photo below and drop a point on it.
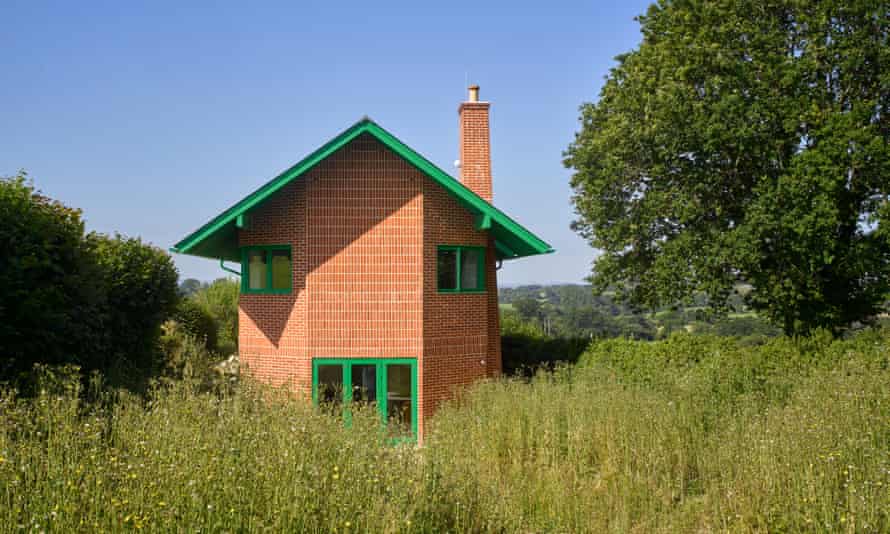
(745, 141)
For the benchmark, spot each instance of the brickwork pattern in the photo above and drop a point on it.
(475, 148)
(364, 227)
(354, 224)
(457, 326)
(272, 334)
(365, 255)
(493, 311)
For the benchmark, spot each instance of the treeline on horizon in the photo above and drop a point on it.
(576, 310)
(540, 324)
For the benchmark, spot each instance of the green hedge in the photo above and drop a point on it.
(197, 321)
(726, 370)
(95, 301)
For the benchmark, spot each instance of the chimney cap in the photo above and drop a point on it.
(474, 93)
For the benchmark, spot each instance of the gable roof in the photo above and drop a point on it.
(218, 238)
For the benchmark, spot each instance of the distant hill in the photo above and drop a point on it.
(574, 310)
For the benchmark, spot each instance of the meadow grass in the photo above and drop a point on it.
(689, 434)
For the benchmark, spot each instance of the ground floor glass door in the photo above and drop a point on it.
(391, 384)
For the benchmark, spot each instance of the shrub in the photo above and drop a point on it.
(93, 301)
(722, 372)
(220, 299)
(140, 282)
(197, 321)
(185, 358)
(525, 349)
(750, 326)
(51, 294)
(524, 354)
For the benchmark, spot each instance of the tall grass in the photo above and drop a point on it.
(690, 434)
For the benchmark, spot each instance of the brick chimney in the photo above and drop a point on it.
(475, 150)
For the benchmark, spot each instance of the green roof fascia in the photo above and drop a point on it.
(504, 251)
(213, 241)
(207, 235)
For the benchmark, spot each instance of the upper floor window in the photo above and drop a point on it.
(460, 269)
(266, 269)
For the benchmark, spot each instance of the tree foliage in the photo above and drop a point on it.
(198, 322)
(745, 141)
(65, 297)
(141, 288)
(190, 286)
(528, 308)
(220, 300)
(51, 297)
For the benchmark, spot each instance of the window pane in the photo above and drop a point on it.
(470, 260)
(256, 269)
(330, 384)
(364, 383)
(398, 397)
(281, 277)
(447, 269)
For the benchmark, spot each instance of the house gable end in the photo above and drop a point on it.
(217, 238)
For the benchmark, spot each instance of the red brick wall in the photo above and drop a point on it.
(272, 334)
(493, 311)
(354, 224)
(475, 149)
(458, 327)
(365, 252)
(363, 227)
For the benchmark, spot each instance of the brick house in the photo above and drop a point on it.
(368, 273)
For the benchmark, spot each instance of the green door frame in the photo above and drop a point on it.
(380, 364)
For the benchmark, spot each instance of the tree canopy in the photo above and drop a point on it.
(69, 297)
(744, 141)
(51, 298)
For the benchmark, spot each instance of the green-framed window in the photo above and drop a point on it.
(390, 383)
(460, 269)
(266, 269)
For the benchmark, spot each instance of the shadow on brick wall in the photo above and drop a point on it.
(341, 204)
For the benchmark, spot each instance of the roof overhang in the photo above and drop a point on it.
(218, 239)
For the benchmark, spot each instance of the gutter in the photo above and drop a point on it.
(228, 270)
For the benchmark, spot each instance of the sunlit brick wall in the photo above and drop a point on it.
(458, 327)
(272, 334)
(365, 221)
(364, 227)
(355, 225)
(475, 150)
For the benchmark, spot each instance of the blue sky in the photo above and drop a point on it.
(153, 118)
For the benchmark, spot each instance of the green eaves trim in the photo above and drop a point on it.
(267, 190)
(521, 241)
